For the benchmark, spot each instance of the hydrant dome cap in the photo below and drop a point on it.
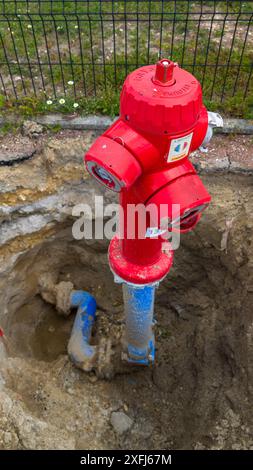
(162, 104)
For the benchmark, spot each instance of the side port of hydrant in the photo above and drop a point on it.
(144, 157)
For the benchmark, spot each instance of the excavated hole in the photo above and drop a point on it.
(199, 393)
(33, 328)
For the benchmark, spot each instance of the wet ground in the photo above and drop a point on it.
(199, 392)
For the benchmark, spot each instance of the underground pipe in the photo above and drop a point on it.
(81, 352)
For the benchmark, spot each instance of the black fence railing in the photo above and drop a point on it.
(55, 49)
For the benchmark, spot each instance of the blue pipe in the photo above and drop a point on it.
(139, 342)
(79, 349)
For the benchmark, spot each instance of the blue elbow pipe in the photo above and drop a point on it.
(138, 344)
(80, 350)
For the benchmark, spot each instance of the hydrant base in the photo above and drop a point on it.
(137, 273)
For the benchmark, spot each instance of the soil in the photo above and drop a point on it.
(199, 393)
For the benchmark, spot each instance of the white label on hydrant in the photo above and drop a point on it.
(179, 148)
(153, 232)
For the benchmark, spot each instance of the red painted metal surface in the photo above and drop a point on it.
(133, 256)
(138, 273)
(161, 108)
(116, 160)
(144, 157)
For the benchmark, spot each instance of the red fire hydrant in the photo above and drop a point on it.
(144, 157)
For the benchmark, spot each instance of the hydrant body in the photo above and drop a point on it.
(144, 157)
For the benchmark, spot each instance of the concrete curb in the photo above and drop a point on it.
(100, 123)
(231, 126)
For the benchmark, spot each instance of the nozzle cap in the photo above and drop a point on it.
(112, 164)
(164, 73)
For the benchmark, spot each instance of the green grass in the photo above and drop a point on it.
(26, 34)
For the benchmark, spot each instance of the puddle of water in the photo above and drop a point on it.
(38, 331)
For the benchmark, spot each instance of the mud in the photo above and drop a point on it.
(199, 392)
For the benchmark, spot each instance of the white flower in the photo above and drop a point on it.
(49, 102)
(70, 82)
(29, 26)
(62, 101)
(76, 26)
(75, 105)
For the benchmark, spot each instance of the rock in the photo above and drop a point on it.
(32, 129)
(23, 226)
(63, 293)
(210, 165)
(15, 149)
(120, 422)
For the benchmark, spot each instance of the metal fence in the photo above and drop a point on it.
(55, 48)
